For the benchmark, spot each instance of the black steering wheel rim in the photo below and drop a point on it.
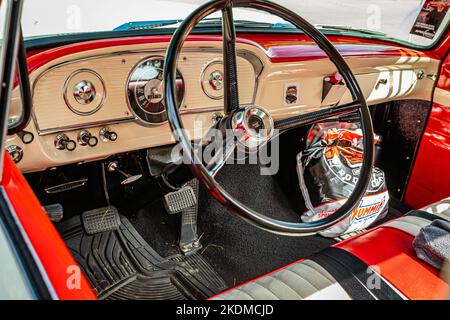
(199, 170)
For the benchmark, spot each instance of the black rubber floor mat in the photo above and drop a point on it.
(121, 265)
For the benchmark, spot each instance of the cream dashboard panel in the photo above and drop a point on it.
(381, 80)
(50, 92)
(400, 75)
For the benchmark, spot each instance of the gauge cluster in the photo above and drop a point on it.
(145, 89)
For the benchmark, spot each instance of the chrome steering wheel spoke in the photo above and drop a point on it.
(222, 154)
(311, 118)
(231, 92)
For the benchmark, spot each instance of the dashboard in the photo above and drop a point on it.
(91, 101)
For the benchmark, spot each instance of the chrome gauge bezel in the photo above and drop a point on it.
(145, 117)
(67, 91)
(204, 79)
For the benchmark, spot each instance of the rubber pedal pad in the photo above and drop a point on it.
(100, 220)
(180, 200)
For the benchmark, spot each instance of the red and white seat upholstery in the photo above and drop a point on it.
(378, 264)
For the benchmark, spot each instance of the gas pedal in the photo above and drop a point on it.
(100, 220)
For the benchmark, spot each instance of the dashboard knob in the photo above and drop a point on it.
(107, 135)
(86, 138)
(15, 152)
(62, 142)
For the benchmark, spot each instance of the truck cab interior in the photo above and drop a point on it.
(169, 158)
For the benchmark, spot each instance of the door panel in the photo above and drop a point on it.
(430, 178)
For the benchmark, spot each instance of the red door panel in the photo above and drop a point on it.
(430, 178)
(45, 239)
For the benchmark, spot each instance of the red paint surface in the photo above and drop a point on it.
(441, 50)
(288, 47)
(390, 252)
(430, 177)
(278, 47)
(51, 249)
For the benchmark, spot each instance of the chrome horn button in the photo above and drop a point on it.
(253, 127)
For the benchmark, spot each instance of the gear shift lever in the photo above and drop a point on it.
(114, 167)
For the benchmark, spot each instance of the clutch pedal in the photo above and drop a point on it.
(185, 201)
(100, 220)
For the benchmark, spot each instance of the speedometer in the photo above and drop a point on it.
(146, 90)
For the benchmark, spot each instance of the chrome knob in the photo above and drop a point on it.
(86, 138)
(107, 135)
(15, 152)
(62, 142)
(84, 92)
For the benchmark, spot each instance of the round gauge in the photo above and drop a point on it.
(212, 80)
(146, 90)
(84, 92)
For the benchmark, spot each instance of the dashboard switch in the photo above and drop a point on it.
(63, 142)
(15, 152)
(107, 135)
(85, 138)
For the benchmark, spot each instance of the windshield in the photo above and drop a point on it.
(418, 22)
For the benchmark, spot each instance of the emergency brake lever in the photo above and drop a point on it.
(114, 167)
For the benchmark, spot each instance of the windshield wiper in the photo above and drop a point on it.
(349, 29)
(205, 23)
(147, 25)
(217, 22)
(208, 22)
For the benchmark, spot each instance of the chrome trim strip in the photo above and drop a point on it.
(85, 125)
(30, 247)
(66, 186)
(201, 110)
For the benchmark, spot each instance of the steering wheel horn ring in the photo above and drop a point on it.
(254, 119)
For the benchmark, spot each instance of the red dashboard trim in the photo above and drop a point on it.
(289, 47)
(45, 239)
(278, 47)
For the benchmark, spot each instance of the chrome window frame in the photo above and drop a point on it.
(21, 245)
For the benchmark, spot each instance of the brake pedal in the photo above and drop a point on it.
(185, 201)
(100, 220)
(180, 200)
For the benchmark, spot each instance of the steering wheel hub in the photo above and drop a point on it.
(253, 127)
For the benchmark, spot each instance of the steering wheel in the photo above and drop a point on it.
(241, 119)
